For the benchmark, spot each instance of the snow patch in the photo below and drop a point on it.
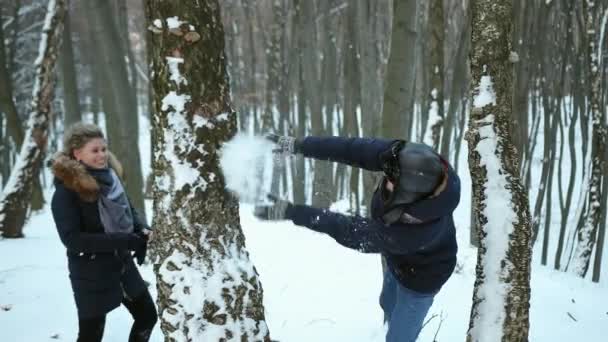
(501, 218)
(175, 101)
(485, 94)
(174, 73)
(179, 140)
(174, 22)
(195, 282)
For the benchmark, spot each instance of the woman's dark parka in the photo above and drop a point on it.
(102, 271)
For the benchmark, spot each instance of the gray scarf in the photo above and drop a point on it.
(114, 207)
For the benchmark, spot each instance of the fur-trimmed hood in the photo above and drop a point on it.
(75, 176)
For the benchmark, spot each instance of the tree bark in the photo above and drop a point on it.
(397, 110)
(119, 106)
(352, 84)
(321, 182)
(371, 89)
(587, 234)
(299, 175)
(208, 288)
(436, 22)
(7, 105)
(15, 197)
(71, 102)
(501, 296)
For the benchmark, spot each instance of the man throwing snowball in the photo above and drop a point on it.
(411, 222)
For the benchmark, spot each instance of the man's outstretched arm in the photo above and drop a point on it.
(364, 153)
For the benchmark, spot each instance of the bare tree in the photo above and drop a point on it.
(7, 105)
(437, 121)
(208, 288)
(587, 234)
(120, 105)
(501, 296)
(15, 197)
(71, 101)
(397, 111)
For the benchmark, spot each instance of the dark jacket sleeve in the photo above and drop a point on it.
(64, 207)
(359, 152)
(363, 234)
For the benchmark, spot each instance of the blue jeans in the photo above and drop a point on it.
(404, 309)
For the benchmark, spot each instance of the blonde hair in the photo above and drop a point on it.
(79, 134)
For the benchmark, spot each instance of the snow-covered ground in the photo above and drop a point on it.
(314, 289)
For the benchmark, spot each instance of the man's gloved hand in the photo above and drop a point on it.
(272, 212)
(390, 160)
(285, 145)
(142, 249)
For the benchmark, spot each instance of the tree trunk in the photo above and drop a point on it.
(274, 64)
(119, 105)
(122, 23)
(458, 90)
(352, 84)
(71, 102)
(7, 105)
(565, 207)
(371, 89)
(437, 123)
(251, 67)
(601, 235)
(586, 235)
(321, 182)
(208, 288)
(299, 118)
(397, 111)
(501, 296)
(15, 197)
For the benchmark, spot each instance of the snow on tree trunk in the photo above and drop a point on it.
(16, 195)
(501, 297)
(208, 288)
(586, 235)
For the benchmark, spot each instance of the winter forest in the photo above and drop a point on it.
(511, 94)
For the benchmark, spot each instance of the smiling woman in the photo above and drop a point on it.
(86, 144)
(100, 229)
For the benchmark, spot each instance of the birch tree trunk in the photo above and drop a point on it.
(501, 296)
(15, 196)
(208, 288)
(586, 235)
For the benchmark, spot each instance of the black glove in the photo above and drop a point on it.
(285, 145)
(140, 252)
(135, 241)
(273, 212)
(389, 160)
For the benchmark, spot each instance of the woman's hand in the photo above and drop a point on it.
(148, 233)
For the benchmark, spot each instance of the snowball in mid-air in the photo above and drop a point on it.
(246, 162)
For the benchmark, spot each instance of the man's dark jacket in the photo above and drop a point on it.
(422, 256)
